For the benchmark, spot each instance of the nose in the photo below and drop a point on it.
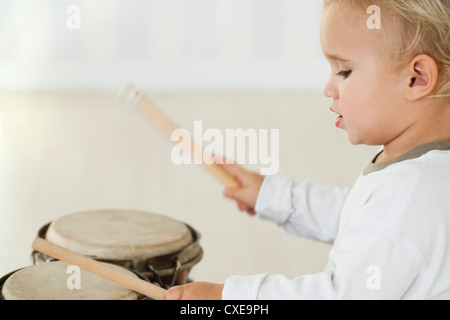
(330, 90)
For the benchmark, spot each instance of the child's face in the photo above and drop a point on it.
(367, 96)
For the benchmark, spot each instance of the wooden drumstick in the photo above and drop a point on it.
(100, 269)
(130, 94)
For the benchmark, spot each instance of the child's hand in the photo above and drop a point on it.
(247, 194)
(195, 291)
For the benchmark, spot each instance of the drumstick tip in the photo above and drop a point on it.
(128, 94)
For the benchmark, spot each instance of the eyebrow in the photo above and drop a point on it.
(335, 57)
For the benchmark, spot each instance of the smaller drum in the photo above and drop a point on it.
(161, 248)
(49, 281)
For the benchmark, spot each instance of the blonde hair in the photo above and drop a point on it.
(423, 26)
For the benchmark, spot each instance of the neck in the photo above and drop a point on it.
(430, 127)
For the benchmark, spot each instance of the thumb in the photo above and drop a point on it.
(174, 293)
(232, 168)
(234, 194)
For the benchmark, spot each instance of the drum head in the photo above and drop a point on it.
(119, 234)
(48, 281)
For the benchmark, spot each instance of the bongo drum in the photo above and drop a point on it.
(161, 248)
(49, 281)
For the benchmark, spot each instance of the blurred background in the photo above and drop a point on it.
(66, 146)
(172, 44)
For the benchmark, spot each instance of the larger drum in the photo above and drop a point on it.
(53, 281)
(161, 248)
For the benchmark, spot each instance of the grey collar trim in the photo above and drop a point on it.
(413, 154)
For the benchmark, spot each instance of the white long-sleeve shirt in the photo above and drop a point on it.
(390, 232)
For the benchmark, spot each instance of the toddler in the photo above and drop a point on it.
(390, 231)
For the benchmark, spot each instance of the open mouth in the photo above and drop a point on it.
(339, 121)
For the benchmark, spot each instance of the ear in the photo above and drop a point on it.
(423, 76)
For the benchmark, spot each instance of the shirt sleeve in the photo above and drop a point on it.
(377, 267)
(307, 210)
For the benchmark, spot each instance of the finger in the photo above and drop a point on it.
(174, 293)
(245, 207)
(218, 159)
(234, 169)
(234, 194)
(242, 206)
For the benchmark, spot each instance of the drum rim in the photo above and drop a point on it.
(188, 254)
(3, 280)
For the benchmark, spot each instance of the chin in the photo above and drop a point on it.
(354, 140)
(358, 140)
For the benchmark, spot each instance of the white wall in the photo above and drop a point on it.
(161, 44)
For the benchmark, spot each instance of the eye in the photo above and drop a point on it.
(344, 73)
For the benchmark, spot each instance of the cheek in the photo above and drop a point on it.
(370, 122)
(364, 119)
(354, 101)
(362, 96)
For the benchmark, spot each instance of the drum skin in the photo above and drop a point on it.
(119, 234)
(49, 281)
